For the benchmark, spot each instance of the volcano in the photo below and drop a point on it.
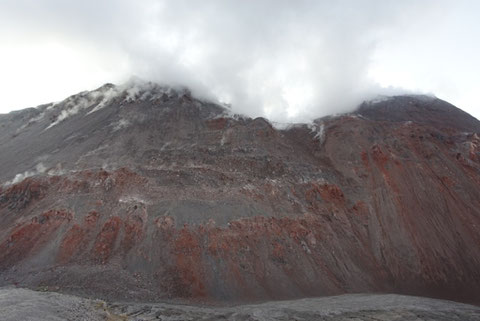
(144, 192)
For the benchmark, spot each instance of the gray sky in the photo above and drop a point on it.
(287, 60)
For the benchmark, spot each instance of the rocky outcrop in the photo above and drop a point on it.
(161, 195)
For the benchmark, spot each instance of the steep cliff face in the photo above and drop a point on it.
(148, 193)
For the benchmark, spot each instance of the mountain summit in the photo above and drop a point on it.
(147, 193)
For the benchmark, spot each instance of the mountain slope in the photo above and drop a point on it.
(147, 193)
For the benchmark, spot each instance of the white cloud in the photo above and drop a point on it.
(288, 60)
(39, 169)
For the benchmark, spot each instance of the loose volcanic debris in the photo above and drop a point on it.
(186, 202)
(22, 304)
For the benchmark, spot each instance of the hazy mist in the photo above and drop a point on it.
(287, 60)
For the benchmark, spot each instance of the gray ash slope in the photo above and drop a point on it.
(416, 108)
(63, 135)
(22, 304)
(147, 193)
(115, 126)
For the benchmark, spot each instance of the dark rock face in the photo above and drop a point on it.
(147, 193)
(420, 109)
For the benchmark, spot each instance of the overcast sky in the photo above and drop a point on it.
(287, 60)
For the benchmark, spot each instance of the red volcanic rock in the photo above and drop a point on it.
(30, 236)
(71, 244)
(105, 241)
(217, 123)
(171, 198)
(19, 195)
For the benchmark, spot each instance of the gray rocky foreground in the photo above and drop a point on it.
(23, 304)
